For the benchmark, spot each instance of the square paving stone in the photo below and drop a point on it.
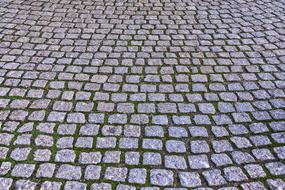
(198, 161)
(46, 170)
(275, 183)
(253, 185)
(116, 174)
(101, 186)
(137, 175)
(189, 179)
(5, 183)
(214, 177)
(151, 158)
(175, 162)
(23, 170)
(51, 185)
(25, 184)
(234, 174)
(69, 172)
(74, 185)
(255, 171)
(92, 172)
(175, 146)
(161, 177)
(276, 168)
(199, 146)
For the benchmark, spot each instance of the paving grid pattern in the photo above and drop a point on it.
(148, 94)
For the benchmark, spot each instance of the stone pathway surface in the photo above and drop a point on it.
(142, 94)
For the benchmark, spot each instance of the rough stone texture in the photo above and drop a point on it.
(116, 174)
(5, 183)
(50, 185)
(69, 172)
(143, 94)
(161, 177)
(188, 179)
(137, 175)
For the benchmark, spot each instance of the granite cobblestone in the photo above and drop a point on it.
(147, 94)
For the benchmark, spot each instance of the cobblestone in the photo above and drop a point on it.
(161, 177)
(146, 94)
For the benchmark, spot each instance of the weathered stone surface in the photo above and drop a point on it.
(116, 174)
(161, 177)
(69, 172)
(144, 94)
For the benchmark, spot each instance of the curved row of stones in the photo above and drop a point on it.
(148, 94)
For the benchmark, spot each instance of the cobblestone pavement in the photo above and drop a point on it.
(145, 94)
